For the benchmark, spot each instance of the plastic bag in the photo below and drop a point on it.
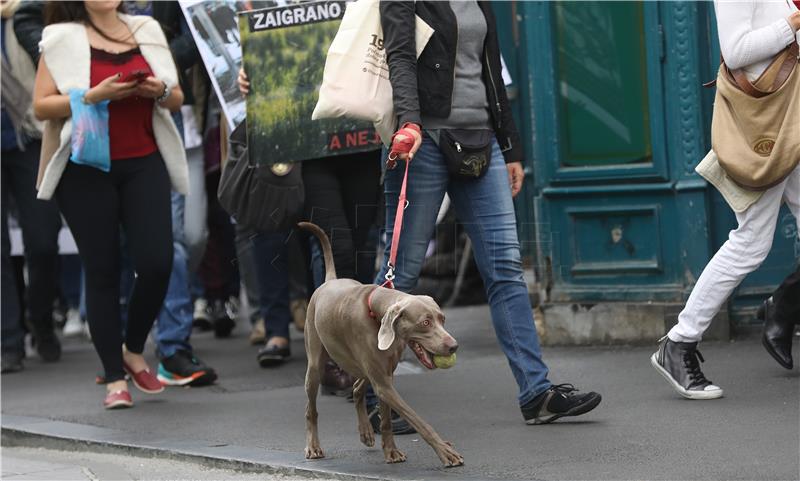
(90, 141)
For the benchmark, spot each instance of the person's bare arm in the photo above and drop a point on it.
(49, 103)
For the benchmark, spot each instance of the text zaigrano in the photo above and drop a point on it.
(297, 15)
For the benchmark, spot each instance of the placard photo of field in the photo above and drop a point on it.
(284, 52)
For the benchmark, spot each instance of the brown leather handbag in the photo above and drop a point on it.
(755, 130)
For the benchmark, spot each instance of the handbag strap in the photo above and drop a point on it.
(785, 62)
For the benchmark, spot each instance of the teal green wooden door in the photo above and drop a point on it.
(601, 165)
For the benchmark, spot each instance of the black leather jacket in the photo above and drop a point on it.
(425, 86)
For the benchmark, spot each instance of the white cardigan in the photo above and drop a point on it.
(752, 32)
(66, 52)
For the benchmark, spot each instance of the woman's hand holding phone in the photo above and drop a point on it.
(110, 89)
(151, 88)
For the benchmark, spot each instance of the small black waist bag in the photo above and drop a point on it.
(467, 153)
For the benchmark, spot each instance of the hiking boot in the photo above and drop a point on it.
(559, 401)
(335, 380)
(679, 363)
(777, 336)
(184, 369)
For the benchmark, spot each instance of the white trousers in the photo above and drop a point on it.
(743, 252)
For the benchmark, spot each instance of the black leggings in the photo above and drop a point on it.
(342, 195)
(135, 195)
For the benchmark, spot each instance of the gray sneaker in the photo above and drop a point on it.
(679, 363)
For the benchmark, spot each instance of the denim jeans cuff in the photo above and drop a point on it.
(167, 349)
(528, 397)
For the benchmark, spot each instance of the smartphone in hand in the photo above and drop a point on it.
(137, 76)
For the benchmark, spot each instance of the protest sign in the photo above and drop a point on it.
(214, 27)
(284, 55)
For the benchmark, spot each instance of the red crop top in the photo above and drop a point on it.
(130, 120)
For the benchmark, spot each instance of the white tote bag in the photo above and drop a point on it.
(355, 82)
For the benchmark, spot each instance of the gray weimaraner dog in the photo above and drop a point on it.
(364, 328)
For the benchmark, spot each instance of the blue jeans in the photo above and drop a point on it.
(485, 208)
(272, 268)
(174, 326)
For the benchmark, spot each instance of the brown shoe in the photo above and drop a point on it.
(336, 381)
(258, 334)
(298, 308)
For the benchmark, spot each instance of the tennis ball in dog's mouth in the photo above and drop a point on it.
(444, 362)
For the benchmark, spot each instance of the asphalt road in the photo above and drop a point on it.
(642, 430)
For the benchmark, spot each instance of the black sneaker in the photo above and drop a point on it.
(222, 319)
(12, 362)
(399, 425)
(271, 356)
(559, 401)
(47, 344)
(679, 363)
(184, 369)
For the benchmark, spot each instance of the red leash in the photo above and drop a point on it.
(402, 204)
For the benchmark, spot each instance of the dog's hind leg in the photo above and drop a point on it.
(315, 354)
(364, 427)
(390, 452)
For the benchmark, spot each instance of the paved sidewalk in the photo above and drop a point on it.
(254, 417)
(37, 464)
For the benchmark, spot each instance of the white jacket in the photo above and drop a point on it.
(66, 52)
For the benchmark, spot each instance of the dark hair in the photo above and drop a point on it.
(71, 11)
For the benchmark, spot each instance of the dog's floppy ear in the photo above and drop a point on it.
(386, 332)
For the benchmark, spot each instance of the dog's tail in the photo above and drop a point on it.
(330, 268)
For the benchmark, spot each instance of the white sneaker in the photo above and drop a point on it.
(201, 319)
(74, 325)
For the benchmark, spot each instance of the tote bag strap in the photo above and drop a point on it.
(785, 63)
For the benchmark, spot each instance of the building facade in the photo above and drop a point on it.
(610, 104)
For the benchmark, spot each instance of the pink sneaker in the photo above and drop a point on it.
(118, 400)
(144, 380)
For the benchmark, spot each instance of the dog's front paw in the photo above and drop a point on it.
(367, 436)
(394, 455)
(314, 452)
(449, 455)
